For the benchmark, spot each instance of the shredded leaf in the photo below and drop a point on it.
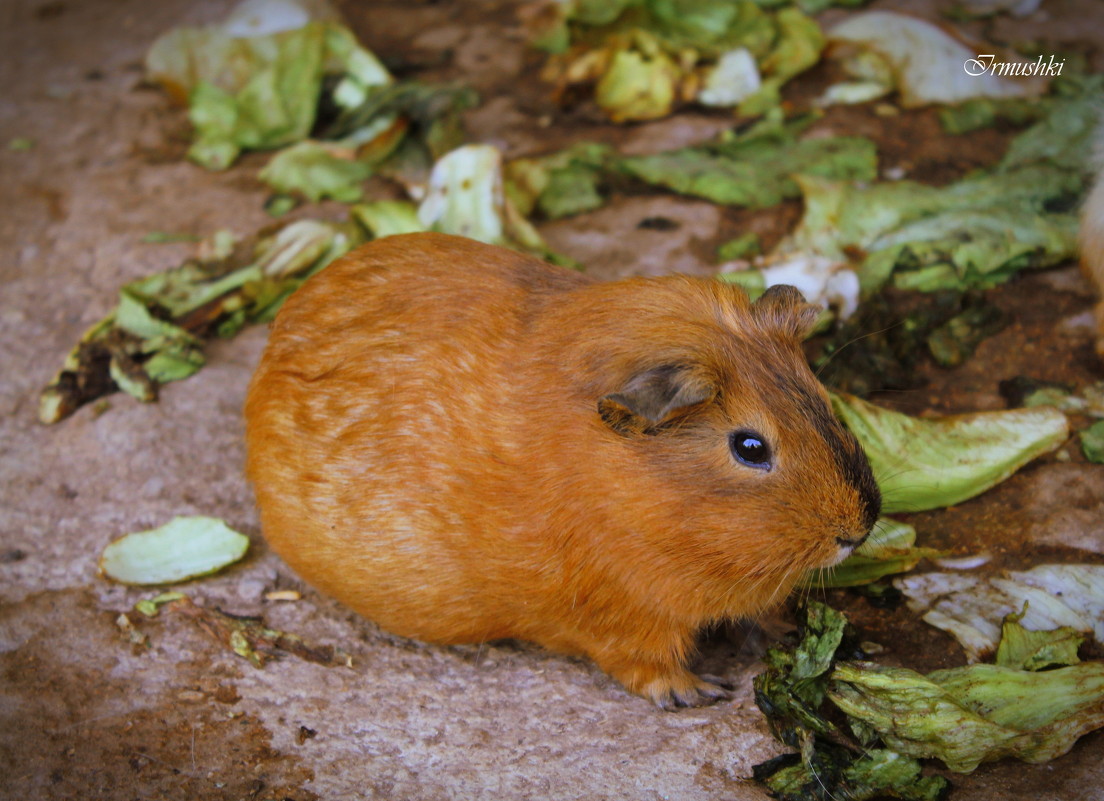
(791, 693)
(249, 638)
(157, 331)
(962, 716)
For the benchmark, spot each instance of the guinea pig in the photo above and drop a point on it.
(463, 444)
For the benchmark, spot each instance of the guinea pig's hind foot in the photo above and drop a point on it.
(685, 690)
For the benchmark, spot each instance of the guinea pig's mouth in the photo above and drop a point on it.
(847, 546)
(852, 542)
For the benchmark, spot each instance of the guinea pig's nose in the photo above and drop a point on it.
(852, 542)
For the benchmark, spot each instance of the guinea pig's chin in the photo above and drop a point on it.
(842, 553)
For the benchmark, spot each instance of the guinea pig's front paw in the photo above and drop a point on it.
(684, 689)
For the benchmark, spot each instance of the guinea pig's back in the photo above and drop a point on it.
(378, 420)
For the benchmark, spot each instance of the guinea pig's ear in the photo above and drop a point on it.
(785, 309)
(654, 398)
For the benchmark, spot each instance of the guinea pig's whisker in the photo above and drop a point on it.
(827, 792)
(852, 341)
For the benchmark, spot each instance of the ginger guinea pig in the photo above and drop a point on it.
(464, 443)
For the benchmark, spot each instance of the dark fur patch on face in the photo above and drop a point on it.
(846, 451)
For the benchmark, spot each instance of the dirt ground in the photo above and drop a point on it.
(84, 714)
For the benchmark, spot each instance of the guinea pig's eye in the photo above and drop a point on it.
(750, 449)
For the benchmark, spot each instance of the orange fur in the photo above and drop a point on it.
(425, 444)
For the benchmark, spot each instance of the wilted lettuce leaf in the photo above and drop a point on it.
(1064, 137)
(927, 463)
(834, 773)
(797, 46)
(387, 217)
(966, 716)
(1027, 391)
(1044, 598)
(954, 341)
(754, 168)
(258, 92)
(1024, 649)
(790, 691)
(962, 716)
(983, 112)
(639, 84)
(317, 170)
(156, 333)
(742, 247)
(734, 78)
(431, 111)
(881, 347)
(927, 62)
(976, 232)
(560, 184)
(791, 694)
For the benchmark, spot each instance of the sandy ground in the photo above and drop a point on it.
(83, 714)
